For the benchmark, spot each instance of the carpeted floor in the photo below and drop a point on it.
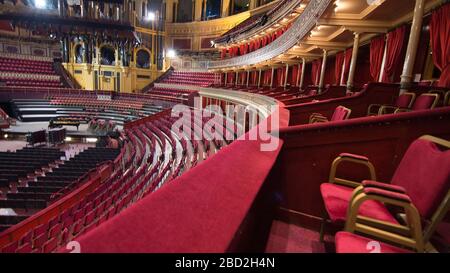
(288, 238)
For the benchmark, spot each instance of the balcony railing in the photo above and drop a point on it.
(300, 28)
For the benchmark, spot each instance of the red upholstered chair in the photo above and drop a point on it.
(420, 187)
(423, 102)
(405, 100)
(340, 113)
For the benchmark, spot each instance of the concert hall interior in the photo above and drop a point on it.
(224, 126)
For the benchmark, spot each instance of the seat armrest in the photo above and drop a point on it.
(386, 109)
(401, 110)
(387, 194)
(352, 158)
(383, 186)
(373, 109)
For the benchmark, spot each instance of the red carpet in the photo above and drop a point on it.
(288, 238)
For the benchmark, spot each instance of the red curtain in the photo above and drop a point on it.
(329, 77)
(440, 42)
(231, 77)
(267, 77)
(280, 76)
(340, 57)
(251, 46)
(315, 71)
(243, 78)
(264, 41)
(293, 71)
(347, 60)
(257, 44)
(223, 54)
(376, 57)
(395, 42)
(253, 78)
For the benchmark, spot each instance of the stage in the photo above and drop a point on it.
(22, 128)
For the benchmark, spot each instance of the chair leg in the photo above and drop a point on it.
(322, 226)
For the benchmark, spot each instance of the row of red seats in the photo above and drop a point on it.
(33, 82)
(25, 61)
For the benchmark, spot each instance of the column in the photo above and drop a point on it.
(248, 77)
(299, 71)
(413, 44)
(226, 78)
(322, 71)
(286, 76)
(259, 78)
(169, 11)
(271, 77)
(226, 8)
(237, 79)
(84, 50)
(253, 4)
(302, 78)
(204, 9)
(351, 73)
(198, 10)
(116, 56)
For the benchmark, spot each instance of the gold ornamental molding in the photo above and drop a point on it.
(213, 27)
(300, 28)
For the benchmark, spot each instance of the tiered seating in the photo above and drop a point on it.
(17, 165)
(419, 188)
(34, 193)
(26, 72)
(26, 66)
(169, 94)
(190, 78)
(17, 81)
(83, 107)
(153, 156)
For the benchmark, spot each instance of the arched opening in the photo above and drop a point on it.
(142, 59)
(185, 11)
(107, 56)
(78, 54)
(213, 9)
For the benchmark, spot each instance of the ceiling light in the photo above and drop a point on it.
(40, 4)
(171, 53)
(151, 16)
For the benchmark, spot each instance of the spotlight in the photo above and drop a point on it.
(171, 53)
(91, 140)
(40, 4)
(5, 136)
(151, 16)
(68, 139)
(212, 43)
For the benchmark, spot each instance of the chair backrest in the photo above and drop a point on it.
(341, 113)
(424, 172)
(405, 100)
(425, 101)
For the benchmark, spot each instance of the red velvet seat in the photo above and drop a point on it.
(340, 113)
(423, 174)
(403, 101)
(423, 102)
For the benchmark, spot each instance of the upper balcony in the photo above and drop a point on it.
(323, 25)
(108, 14)
(261, 22)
